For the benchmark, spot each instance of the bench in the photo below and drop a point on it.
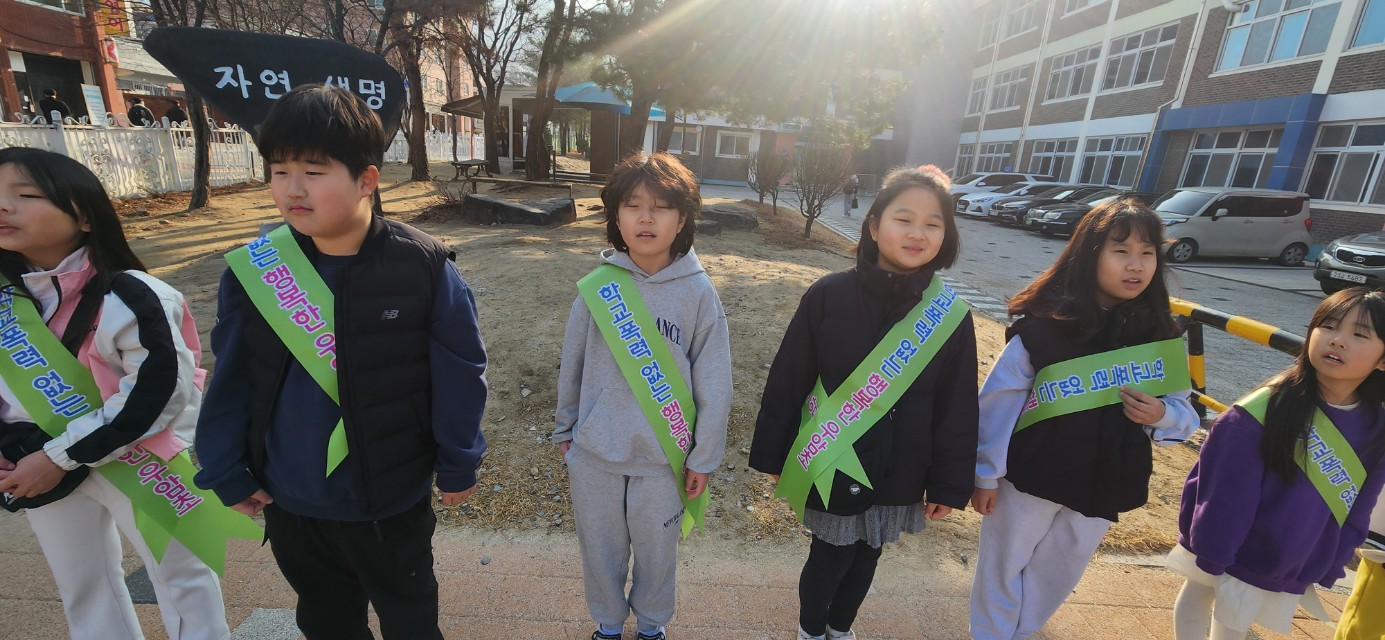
(469, 169)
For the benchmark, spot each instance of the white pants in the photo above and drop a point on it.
(79, 538)
(1033, 553)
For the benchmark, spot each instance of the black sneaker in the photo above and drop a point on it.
(657, 635)
(597, 635)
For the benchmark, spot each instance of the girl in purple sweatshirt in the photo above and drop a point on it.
(1282, 492)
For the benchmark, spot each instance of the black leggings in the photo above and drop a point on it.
(833, 585)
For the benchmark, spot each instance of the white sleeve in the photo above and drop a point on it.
(1002, 398)
(1179, 422)
(139, 336)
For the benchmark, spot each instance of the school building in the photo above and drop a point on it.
(1159, 94)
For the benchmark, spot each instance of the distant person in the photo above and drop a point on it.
(51, 103)
(341, 461)
(140, 115)
(914, 446)
(1284, 485)
(1053, 474)
(175, 114)
(642, 405)
(849, 189)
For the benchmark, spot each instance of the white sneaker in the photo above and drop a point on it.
(833, 634)
(804, 635)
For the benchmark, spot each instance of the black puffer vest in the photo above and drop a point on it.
(382, 317)
(1096, 462)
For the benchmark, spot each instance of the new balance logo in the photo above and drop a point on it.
(389, 314)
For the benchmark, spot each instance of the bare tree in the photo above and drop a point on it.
(490, 41)
(553, 54)
(818, 174)
(767, 168)
(192, 13)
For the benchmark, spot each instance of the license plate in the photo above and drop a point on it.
(1349, 277)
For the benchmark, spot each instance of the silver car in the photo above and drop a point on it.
(1352, 261)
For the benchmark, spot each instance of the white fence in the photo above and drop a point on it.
(137, 161)
(439, 147)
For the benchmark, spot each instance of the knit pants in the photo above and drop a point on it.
(615, 516)
(79, 538)
(1033, 553)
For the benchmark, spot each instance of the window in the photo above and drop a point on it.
(1273, 30)
(1073, 6)
(1372, 28)
(1231, 158)
(1022, 18)
(1053, 158)
(685, 139)
(964, 154)
(1072, 74)
(990, 25)
(995, 156)
(74, 6)
(733, 144)
(1112, 160)
(1346, 164)
(1008, 92)
(977, 103)
(1140, 58)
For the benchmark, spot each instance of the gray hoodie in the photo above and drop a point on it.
(596, 409)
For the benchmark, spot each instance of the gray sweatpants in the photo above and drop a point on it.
(1032, 555)
(616, 514)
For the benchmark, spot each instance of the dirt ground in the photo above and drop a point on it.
(523, 279)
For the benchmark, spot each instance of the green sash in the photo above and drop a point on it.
(832, 423)
(649, 368)
(1156, 368)
(1327, 458)
(300, 308)
(54, 389)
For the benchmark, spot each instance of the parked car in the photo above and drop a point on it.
(1352, 261)
(990, 181)
(1231, 221)
(1001, 211)
(1064, 216)
(1017, 211)
(979, 203)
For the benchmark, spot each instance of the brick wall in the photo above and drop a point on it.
(1004, 119)
(45, 31)
(1270, 83)
(982, 57)
(1360, 72)
(1027, 151)
(1088, 18)
(971, 123)
(1171, 170)
(1132, 7)
(1021, 43)
(1329, 224)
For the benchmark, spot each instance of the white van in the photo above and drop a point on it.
(1230, 221)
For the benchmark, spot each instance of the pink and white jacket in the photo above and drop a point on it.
(143, 351)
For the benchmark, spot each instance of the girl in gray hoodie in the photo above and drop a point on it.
(626, 496)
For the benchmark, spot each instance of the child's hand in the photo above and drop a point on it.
(935, 511)
(983, 500)
(254, 504)
(34, 475)
(694, 482)
(457, 497)
(5, 465)
(1141, 408)
(564, 446)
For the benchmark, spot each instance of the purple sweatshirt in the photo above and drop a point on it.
(1240, 519)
